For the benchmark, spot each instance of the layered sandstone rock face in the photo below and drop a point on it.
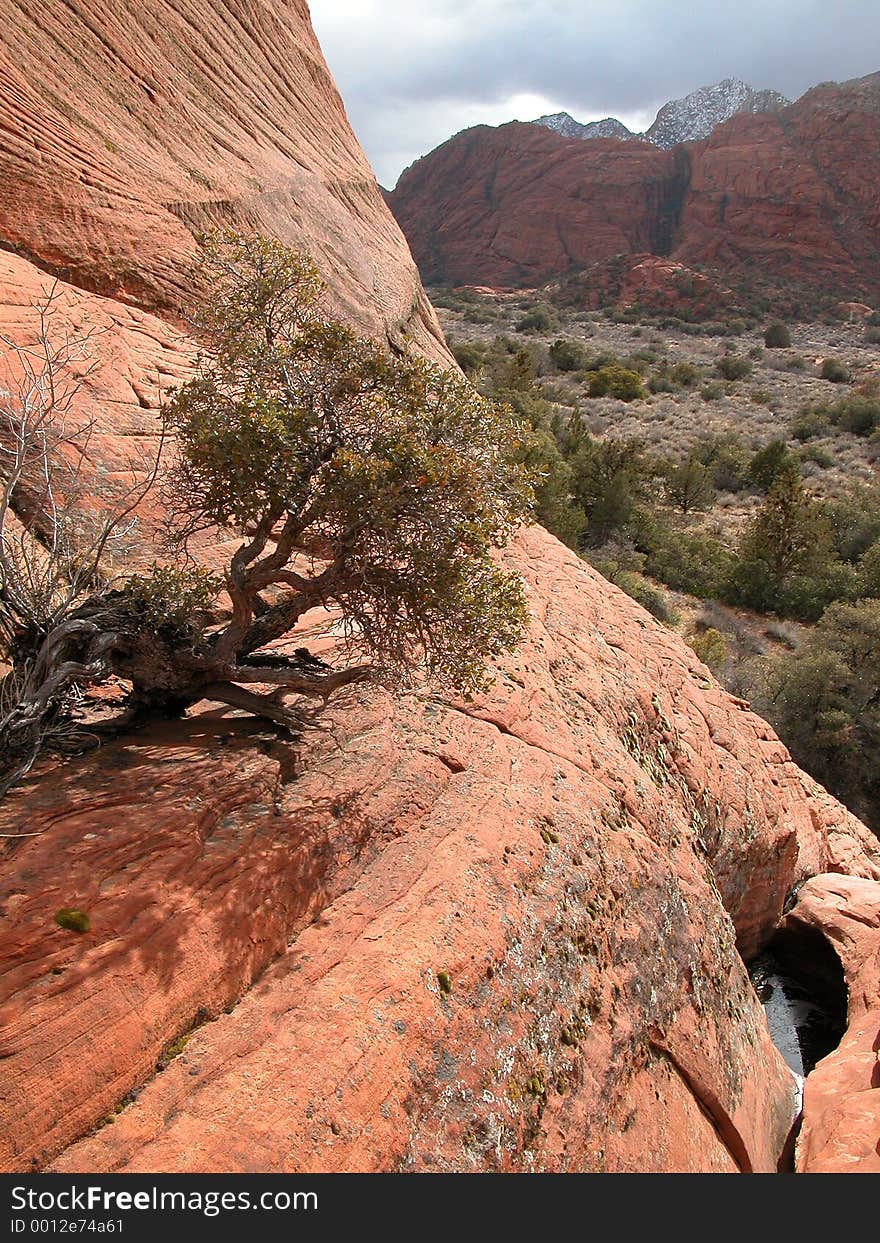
(128, 128)
(789, 194)
(430, 935)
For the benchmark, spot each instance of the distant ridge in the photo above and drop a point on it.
(681, 120)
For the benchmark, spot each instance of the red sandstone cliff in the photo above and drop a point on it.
(501, 935)
(790, 194)
(125, 128)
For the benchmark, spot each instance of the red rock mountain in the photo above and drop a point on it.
(501, 935)
(790, 194)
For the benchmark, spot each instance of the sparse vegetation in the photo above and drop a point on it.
(757, 501)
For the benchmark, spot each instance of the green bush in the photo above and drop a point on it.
(818, 455)
(616, 381)
(469, 356)
(809, 423)
(734, 367)
(541, 318)
(568, 355)
(834, 370)
(777, 336)
(712, 391)
(856, 414)
(769, 463)
(72, 919)
(711, 648)
(689, 562)
(689, 486)
(727, 460)
(827, 710)
(647, 595)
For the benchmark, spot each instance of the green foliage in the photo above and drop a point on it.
(669, 379)
(834, 370)
(818, 455)
(555, 506)
(784, 553)
(770, 464)
(777, 336)
(469, 356)
(171, 600)
(855, 521)
(689, 486)
(825, 701)
(857, 414)
(727, 460)
(812, 421)
(568, 355)
(712, 391)
(688, 561)
(734, 367)
(540, 319)
(396, 474)
(647, 594)
(711, 648)
(609, 479)
(616, 381)
(72, 919)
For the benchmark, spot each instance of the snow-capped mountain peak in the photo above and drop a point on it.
(681, 120)
(696, 115)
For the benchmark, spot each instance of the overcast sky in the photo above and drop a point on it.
(414, 72)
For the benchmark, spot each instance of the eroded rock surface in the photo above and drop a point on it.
(841, 1128)
(558, 856)
(128, 128)
(432, 935)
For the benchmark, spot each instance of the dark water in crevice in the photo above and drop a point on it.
(800, 983)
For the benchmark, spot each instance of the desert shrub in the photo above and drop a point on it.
(469, 356)
(616, 381)
(541, 318)
(777, 336)
(375, 486)
(855, 521)
(712, 391)
(872, 336)
(669, 379)
(825, 702)
(710, 647)
(761, 397)
(869, 572)
(568, 355)
(609, 480)
(769, 463)
(688, 561)
(734, 367)
(648, 595)
(857, 414)
(809, 423)
(689, 485)
(796, 363)
(834, 370)
(785, 555)
(727, 460)
(818, 455)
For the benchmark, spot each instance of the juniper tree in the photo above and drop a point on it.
(373, 487)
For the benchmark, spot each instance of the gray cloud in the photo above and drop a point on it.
(412, 75)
